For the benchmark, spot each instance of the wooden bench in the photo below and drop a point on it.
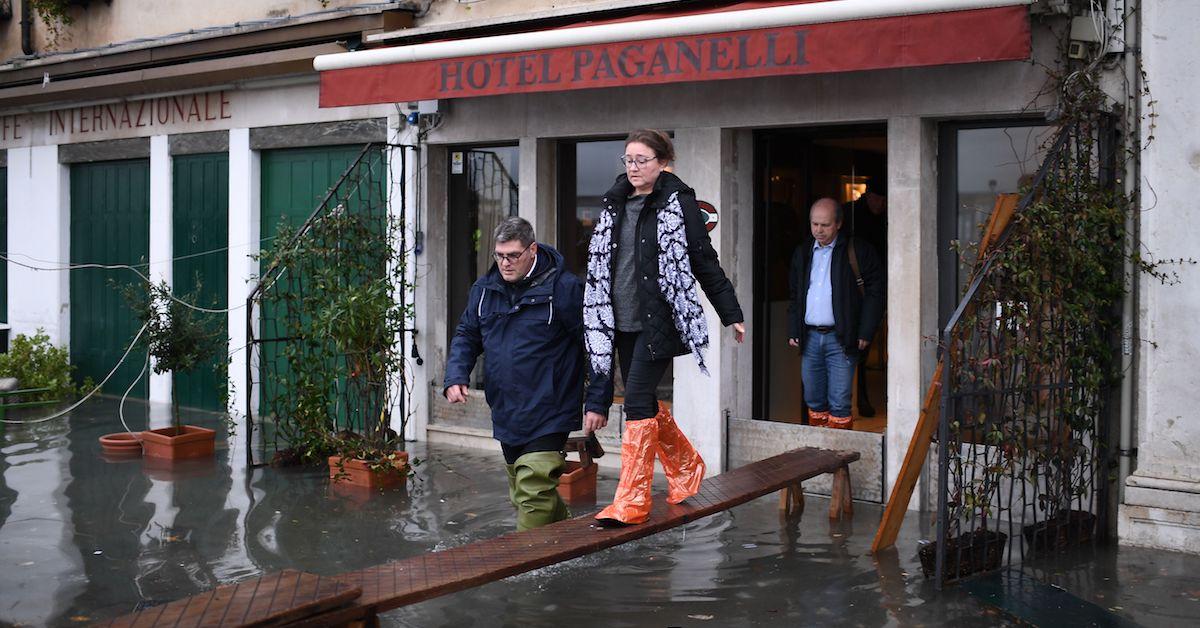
(398, 583)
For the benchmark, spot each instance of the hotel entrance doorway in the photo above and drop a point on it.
(793, 168)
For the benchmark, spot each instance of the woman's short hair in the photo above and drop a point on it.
(656, 141)
(514, 228)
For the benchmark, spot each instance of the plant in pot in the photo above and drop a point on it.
(1059, 471)
(363, 320)
(179, 339)
(973, 545)
(341, 298)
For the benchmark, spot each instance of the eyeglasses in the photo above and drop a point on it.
(510, 258)
(630, 161)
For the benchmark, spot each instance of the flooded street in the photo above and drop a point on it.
(83, 539)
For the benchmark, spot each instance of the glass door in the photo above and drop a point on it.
(483, 190)
(978, 161)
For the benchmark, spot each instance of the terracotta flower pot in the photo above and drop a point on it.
(121, 445)
(180, 443)
(578, 482)
(359, 473)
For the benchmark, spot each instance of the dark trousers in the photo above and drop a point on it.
(549, 442)
(641, 373)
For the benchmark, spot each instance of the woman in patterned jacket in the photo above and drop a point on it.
(649, 250)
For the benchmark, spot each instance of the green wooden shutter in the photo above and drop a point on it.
(294, 183)
(110, 224)
(200, 190)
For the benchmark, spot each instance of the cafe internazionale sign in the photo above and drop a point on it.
(130, 118)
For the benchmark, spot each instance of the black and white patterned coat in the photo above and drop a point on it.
(663, 314)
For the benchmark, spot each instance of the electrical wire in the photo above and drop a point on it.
(70, 267)
(121, 406)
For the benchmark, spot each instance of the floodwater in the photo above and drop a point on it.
(84, 539)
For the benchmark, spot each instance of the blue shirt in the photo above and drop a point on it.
(818, 303)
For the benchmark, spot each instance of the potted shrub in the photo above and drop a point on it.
(179, 340)
(973, 505)
(361, 321)
(1058, 469)
(335, 292)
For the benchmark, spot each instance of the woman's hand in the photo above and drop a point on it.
(739, 332)
(593, 421)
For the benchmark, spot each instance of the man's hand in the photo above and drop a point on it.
(457, 393)
(794, 342)
(739, 332)
(593, 421)
(862, 344)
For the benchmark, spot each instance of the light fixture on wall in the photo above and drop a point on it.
(850, 187)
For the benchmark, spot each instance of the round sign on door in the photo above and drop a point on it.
(710, 215)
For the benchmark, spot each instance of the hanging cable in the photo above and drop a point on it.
(137, 272)
(121, 406)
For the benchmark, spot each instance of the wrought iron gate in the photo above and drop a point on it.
(1024, 458)
(279, 324)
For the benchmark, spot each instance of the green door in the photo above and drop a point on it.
(4, 245)
(200, 191)
(295, 181)
(110, 224)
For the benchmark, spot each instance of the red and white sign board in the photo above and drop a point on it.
(995, 34)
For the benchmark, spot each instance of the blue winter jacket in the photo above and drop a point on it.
(533, 351)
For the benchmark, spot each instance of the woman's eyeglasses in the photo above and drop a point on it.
(629, 161)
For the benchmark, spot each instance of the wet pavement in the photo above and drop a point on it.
(83, 539)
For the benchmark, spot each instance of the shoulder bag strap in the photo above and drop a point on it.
(862, 291)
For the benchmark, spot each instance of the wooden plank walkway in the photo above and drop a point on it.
(273, 600)
(398, 583)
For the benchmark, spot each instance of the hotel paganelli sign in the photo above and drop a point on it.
(183, 113)
(909, 41)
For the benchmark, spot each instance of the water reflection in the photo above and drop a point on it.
(82, 538)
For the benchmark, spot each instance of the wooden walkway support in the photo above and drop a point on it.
(391, 585)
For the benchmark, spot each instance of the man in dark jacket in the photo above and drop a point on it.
(525, 316)
(834, 312)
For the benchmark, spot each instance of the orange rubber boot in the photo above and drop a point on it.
(683, 464)
(841, 422)
(631, 504)
(818, 419)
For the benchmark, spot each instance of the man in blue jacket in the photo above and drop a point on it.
(526, 317)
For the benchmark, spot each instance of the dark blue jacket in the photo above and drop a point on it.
(533, 348)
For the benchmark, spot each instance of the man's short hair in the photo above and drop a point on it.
(514, 228)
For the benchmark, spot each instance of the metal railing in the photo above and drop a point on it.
(279, 313)
(1023, 439)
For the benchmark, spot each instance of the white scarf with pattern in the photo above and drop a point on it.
(675, 281)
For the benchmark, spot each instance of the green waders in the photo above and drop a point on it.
(533, 488)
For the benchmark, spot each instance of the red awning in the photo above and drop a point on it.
(990, 34)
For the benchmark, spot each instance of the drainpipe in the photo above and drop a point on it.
(1129, 337)
(26, 28)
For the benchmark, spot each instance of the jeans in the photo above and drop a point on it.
(828, 374)
(642, 375)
